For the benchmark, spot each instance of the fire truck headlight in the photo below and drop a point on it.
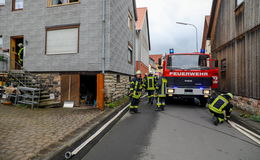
(170, 90)
(206, 92)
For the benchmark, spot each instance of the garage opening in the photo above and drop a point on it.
(88, 90)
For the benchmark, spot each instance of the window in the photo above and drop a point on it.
(2, 2)
(216, 64)
(61, 2)
(130, 54)
(63, 40)
(238, 2)
(118, 78)
(183, 61)
(130, 21)
(223, 68)
(1, 42)
(17, 5)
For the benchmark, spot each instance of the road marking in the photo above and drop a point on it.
(253, 136)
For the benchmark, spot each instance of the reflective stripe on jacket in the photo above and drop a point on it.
(161, 87)
(20, 54)
(218, 104)
(136, 87)
(150, 83)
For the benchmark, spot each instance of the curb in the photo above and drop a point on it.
(238, 120)
(72, 144)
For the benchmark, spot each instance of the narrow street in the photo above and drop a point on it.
(182, 131)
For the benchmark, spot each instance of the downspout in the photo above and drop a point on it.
(135, 50)
(140, 49)
(103, 36)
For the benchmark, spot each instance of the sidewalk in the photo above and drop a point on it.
(246, 122)
(27, 133)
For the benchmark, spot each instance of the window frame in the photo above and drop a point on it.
(1, 40)
(13, 6)
(61, 28)
(223, 67)
(130, 50)
(130, 21)
(58, 5)
(2, 4)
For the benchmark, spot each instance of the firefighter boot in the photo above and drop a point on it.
(152, 101)
(136, 110)
(158, 108)
(131, 110)
(162, 108)
(215, 120)
(149, 100)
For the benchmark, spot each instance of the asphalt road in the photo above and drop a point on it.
(181, 132)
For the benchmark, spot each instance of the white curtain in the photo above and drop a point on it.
(62, 41)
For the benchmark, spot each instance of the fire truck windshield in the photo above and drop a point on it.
(187, 61)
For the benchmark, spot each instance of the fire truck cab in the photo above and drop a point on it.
(190, 75)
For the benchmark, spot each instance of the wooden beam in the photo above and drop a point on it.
(100, 91)
(242, 35)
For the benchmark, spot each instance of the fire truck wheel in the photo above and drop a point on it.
(203, 102)
(168, 100)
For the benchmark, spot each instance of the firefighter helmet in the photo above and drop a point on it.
(20, 45)
(138, 72)
(230, 95)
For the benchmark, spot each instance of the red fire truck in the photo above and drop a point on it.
(190, 75)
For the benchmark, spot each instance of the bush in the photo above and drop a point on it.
(118, 102)
(255, 118)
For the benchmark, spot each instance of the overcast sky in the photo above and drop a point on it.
(165, 33)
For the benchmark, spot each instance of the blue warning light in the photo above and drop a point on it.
(171, 50)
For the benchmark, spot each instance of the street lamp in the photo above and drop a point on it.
(196, 32)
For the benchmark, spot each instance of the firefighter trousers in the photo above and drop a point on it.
(150, 95)
(134, 103)
(221, 117)
(161, 102)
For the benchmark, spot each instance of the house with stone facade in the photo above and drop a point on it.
(143, 45)
(81, 50)
(156, 58)
(234, 31)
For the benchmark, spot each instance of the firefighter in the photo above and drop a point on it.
(150, 86)
(136, 87)
(220, 107)
(144, 81)
(161, 93)
(20, 54)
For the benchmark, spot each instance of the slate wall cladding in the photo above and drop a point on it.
(120, 35)
(36, 16)
(31, 22)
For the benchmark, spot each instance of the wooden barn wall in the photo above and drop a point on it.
(242, 53)
(243, 66)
